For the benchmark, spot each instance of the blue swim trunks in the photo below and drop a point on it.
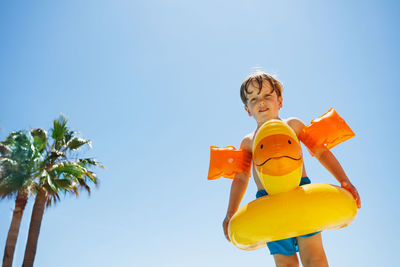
(286, 246)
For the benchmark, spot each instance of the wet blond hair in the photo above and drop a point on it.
(258, 77)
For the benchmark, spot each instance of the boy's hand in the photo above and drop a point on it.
(349, 187)
(225, 226)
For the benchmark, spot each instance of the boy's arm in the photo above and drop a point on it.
(238, 188)
(329, 161)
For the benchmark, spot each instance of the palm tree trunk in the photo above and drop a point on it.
(34, 229)
(20, 203)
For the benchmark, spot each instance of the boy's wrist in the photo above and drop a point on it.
(229, 214)
(345, 182)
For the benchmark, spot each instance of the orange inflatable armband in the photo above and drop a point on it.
(227, 162)
(328, 130)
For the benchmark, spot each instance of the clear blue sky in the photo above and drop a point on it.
(154, 83)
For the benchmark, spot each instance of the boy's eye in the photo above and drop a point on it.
(267, 95)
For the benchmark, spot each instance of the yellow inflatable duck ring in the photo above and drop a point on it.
(291, 210)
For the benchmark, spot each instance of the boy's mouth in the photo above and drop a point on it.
(263, 110)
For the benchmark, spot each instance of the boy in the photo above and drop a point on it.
(262, 96)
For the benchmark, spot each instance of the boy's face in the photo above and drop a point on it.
(263, 105)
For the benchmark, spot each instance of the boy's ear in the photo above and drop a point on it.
(247, 109)
(280, 101)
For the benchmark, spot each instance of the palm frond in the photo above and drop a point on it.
(3, 149)
(52, 185)
(85, 186)
(8, 163)
(76, 143)
(40, 138)
(92, 176)
(52, 199)
(18, 163)
(68, 136)
(59, 130)
(89, 162)
(46, 180)
(75, 189)
(69, 168)
(54, 156)
(63, 183)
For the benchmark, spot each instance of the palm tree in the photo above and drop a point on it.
(60, 171)
(19, 157)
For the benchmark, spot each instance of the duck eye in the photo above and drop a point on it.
(262, 146)
(289, 142)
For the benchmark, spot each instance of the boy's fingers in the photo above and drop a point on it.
(356, 196)
(358, 199)
(354, 192)
(358, 203)
(225, 227)
(227, 237)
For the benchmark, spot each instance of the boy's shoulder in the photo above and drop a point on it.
(296, 124)
(247, 142)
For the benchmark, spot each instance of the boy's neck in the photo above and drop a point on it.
(261, 122)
